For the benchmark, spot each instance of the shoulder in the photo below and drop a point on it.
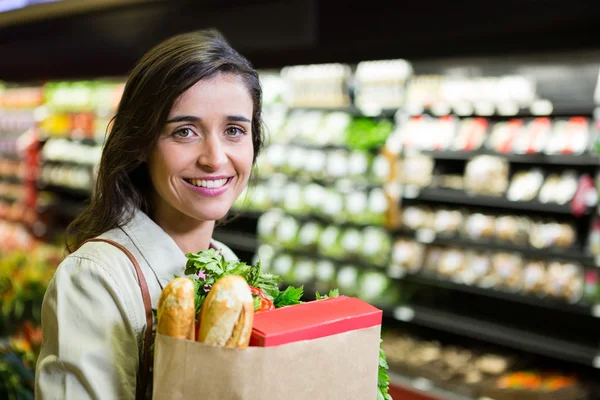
(226, 251)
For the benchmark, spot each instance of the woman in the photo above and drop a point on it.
(180, 151)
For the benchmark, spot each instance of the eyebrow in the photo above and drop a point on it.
(191, 118)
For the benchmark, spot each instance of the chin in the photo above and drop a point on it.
(208, 215)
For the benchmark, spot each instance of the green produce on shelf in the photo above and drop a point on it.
(377, 288)
(376, 246)
(365, 133)
(303, 271)
(287, 232)
(267, 226)
(308, 237)
(330, 243)
(325, 275)
(347, 279)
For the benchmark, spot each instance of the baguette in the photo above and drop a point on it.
(227, 314)
(176, 309)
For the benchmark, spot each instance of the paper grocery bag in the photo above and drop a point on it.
(342, 366)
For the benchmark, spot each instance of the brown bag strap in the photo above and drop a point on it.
(144, 365)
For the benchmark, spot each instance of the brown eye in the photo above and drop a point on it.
(183, 133)
(234, 131)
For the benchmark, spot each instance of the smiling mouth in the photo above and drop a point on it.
(208, 183)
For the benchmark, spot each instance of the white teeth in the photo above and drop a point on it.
(210, 184)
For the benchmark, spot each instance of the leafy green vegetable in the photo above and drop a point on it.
(366, 133)
(332, 293)
(383, 379)
(289, 296)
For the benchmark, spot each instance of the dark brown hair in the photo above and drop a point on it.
(160, 77)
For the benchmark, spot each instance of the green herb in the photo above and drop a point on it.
(332, 293)
(289, 297)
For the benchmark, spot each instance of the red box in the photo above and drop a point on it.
(313, 320)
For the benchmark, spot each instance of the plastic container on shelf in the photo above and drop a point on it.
(487, 175)
(525, 185)
(508, 268)
(407, 257)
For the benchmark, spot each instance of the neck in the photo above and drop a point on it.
(190, 235)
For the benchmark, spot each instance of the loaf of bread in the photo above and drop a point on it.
(227, 314)
(176, 309)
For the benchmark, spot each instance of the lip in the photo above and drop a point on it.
(210, 178)
(210, 192)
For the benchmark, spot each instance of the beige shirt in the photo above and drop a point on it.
(93, 318)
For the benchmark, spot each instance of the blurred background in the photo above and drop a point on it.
(440, 161)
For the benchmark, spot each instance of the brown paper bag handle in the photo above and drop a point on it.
(144, 365)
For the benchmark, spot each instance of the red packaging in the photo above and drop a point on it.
(313, 320)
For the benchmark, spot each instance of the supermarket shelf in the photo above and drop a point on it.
(422, 386)
(236, 240)
(67, 163)
(550, 303)
(459, 197)
(570, 254)
(582, 160)
(496, 333)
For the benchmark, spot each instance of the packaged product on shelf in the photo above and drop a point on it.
(323, 85)
(591, 292)
(572, 136)
(414, 218)
(282, 265)
(449, 181)
(479, 227)
(407, 257)
(351, 240)
(382, 169)
(265, 253)
(512, 229)
(471, 134)
(347, 278)
(316, 161)
(274, 157)
(333, 129)
(376, 246)
(295, 160)
(504, 136)
(452, 264)
(533, 385)
(330, 242)
(359, 163)
(533, 137)
(534, 278)
(478, 269)
(525, 185)
(417, 170)
(325, 274)
(559, 189)
(551, 233)
(447, 222)
(303, 271)
(267, 226)
(376, 288)
(313, 196)
(487, 175)
(356, 207)
(337, 164)
(287, 232)
(292, 202)
(308, 236)
(378, 210)
(508, 268)
(433, 255)
(565, 281)
(381, 84)
(594, 237)
(332, 205)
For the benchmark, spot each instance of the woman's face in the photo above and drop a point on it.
(203, 158)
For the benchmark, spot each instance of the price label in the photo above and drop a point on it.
(411, 191)
(403, 313)
(425, 236)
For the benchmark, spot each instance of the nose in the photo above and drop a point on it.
(212, 155)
